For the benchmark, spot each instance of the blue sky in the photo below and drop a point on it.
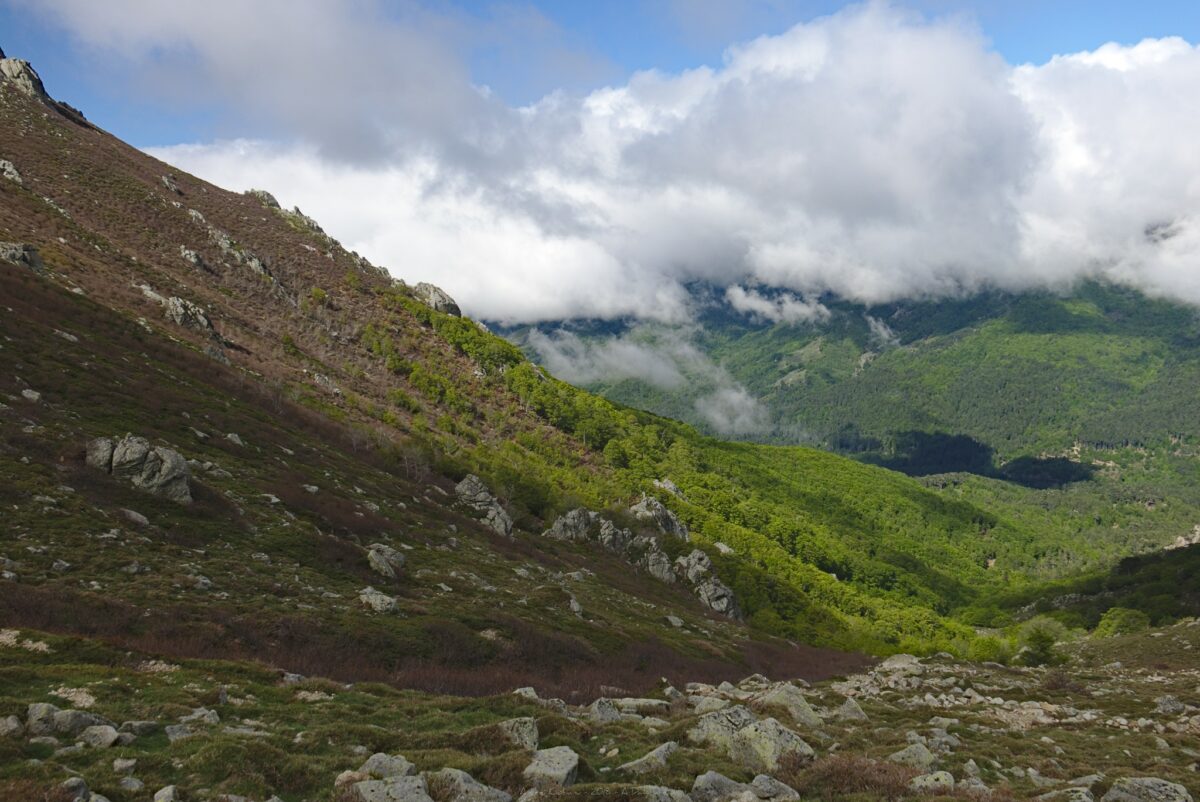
(596, 44)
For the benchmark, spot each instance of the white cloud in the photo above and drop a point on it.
(874, 154)
(782, 308)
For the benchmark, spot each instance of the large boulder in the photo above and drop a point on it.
(938, 782)
(718, 597)
(186, 314)
(653, 760)
(392, 789)
(382, 766)
(377, 601)
(436, 298)
(714, 787)
(915, 756)
(385, 560)
(39, 718)
(454, 785)
(764, 744)
(1146, 789)
(10, 172)
(473, 493)
(575, 525)
(521, 732)
(790, 698)
(718, 727)
(154, 469)
(651, 510)
(554, 767)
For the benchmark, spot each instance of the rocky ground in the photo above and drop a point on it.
(96, 724)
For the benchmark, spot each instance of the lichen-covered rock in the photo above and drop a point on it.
(385, 560)
(186, 314)
(99, 736)
(574, 525)
(381, 766)
(1146, 789)
(155, 469)
(554, 767)
(23, 76)
(264, 197)
(455, 785)
(850, 711)
(938, 782)
(473, 493)
(763, 744)
(377, 601)
(718, 727)
(9, 171)
(604, 711)
(791, 699)
(436, 298)
(39, 718)
(393, 789)
(653, 760)
(521, 732)
(916, 756)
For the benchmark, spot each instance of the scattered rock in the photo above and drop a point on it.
(454, 785)
(763, 744)
(651, 510)
(385, 560)
(22, 255)
(791, 699)
(11, 727)
(850, 711)
(100, 736)
(9, 171)
(915, 755)
(521, 732)
(167, 793)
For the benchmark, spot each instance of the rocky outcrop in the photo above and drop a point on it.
(377, 601)
(697, 568)
(436, 298)
(23, 76)
(9, 171)
(22, 255)
(264, 197)
(184, 313)
(474, 494)
(651, 510)
(154, 469)
(764, 744)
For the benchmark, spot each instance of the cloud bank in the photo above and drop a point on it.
(876, 154)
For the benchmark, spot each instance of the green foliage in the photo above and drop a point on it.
(1038, 639)
(1121, 621)
(990, 649)
(318, 296)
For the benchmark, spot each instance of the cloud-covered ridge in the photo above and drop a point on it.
(875, 154)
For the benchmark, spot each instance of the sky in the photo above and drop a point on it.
(559, 159)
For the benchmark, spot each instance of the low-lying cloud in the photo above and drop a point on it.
(875, 154)
(662, 358)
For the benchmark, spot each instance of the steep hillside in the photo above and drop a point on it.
(324, 407)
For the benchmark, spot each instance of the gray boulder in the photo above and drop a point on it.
(39, 718)
(473, 493)
(380, 766)
(436, 298)
(186, 314)
(154, 469)
(385, 560)
(521, 732)
(939, 782)
(377, 601)
(792, 699)
(575, 525)
(99, 736)
(718, 597)
(916, 756)
(764, 744)
(554, 767)
(393, 789)
(718, 727)
(264, 197)
(850, 711)
(652, 760)
(1146, 789)
(660, 793)
(74, 722)
(11, 727)
(454, 785)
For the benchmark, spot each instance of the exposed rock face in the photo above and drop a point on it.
(154, 469)
(697, 568)
(472, 492)
(184, 313)
(651, 510)
(521, 732)
(916, 755)
(718, 727)
(393, 789)
(264, 197)
(436, 298)
(23, 76)
(652, 760)
(790, 698)
(555, 767)
(9, 171)
(22, 255)
(381, 766)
